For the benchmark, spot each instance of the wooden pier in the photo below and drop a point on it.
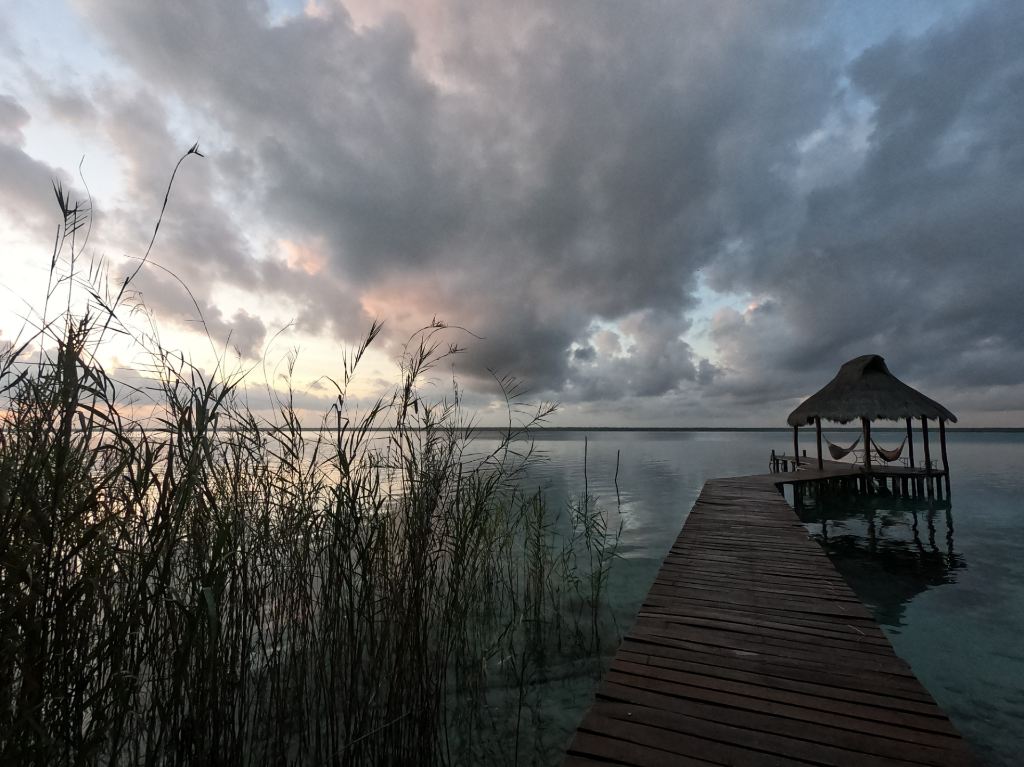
(895, 479)
(750, 649)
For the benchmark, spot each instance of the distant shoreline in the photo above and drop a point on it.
(786, 429)
(661, 429)
(752, 429)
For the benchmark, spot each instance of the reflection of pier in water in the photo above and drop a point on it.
(890, 550)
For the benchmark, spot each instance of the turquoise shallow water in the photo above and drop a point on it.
(947, 585)
(945, 582)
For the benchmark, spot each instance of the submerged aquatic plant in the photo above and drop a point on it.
(203, 584)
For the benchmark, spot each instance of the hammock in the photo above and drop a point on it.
(838, 452)
(889, 455)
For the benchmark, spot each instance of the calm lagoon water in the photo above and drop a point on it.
(946, 582)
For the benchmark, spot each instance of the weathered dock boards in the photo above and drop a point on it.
(750, 649)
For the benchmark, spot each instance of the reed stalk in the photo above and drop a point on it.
(212, 585)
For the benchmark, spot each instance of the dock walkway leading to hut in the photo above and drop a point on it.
(750, 649)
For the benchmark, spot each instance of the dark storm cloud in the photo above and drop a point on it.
(568, 163)
(555, 176)
(168, 299)
(201, 242)
(653, 360)
(25, 181)
(199, 237)
(917, 254)
(13, 119)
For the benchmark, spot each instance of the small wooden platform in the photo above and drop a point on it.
(845, 468)
(750, 649)
(897, 479)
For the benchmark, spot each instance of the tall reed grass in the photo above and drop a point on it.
(206, 584)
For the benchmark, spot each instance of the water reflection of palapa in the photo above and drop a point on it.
(888, 549)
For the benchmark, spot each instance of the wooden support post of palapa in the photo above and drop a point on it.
(817, 429)
(945, 458)
(927, 457)
(865, 425)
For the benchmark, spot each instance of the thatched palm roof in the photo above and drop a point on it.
(864, 387)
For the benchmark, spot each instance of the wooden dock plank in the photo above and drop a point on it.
(751, 649)
(759, 746)
(837, 679)
(756, 723)
(821, 687)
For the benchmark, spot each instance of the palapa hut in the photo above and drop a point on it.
(865, 389)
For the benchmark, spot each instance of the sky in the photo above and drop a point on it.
(684, 213)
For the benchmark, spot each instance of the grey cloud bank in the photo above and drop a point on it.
(556, 178)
